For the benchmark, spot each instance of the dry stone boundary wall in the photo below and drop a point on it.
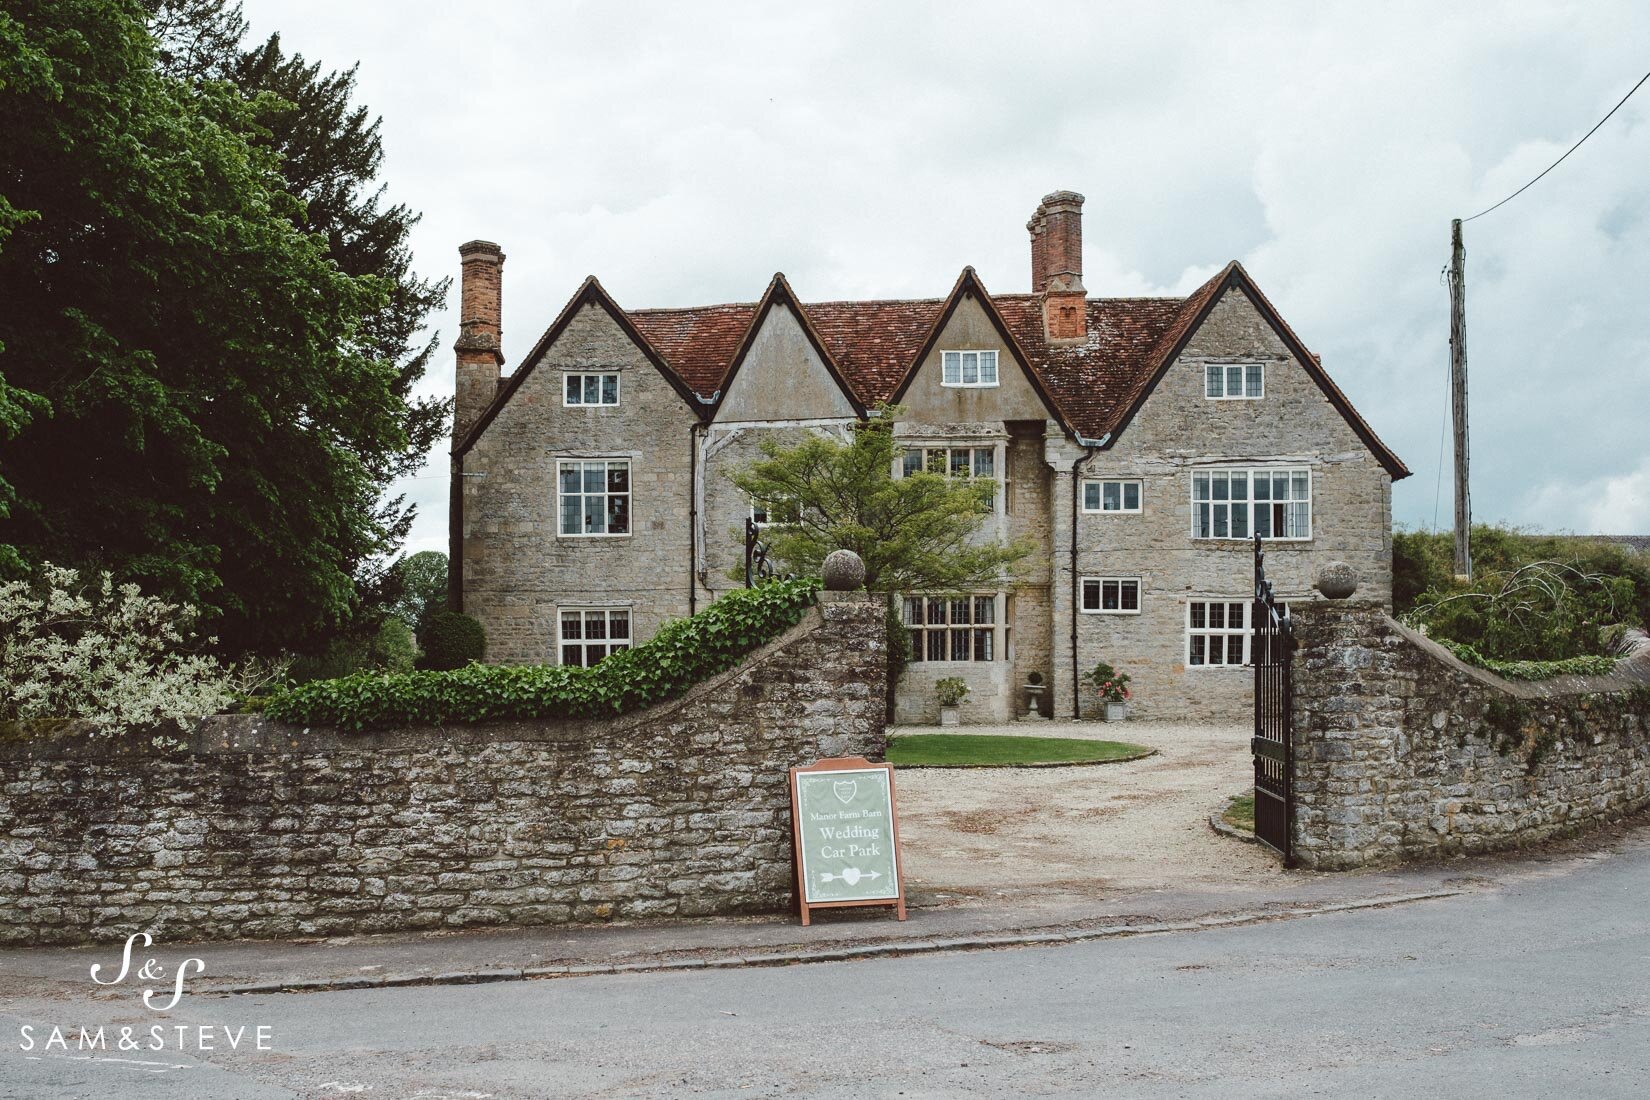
(260, 830)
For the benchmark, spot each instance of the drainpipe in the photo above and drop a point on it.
(1093, 446)
(693, 518)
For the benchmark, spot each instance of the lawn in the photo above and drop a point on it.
(971, 750)
(1240, 813)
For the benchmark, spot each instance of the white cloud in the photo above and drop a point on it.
(685, 152)
(1616, 504)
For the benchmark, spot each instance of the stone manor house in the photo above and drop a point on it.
(1139, 443)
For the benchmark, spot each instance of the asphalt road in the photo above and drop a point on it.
(1540, 989)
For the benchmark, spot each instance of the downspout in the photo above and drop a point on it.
(1093, 446)
(693, 518)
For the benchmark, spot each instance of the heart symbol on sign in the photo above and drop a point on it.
(845, 790)
(851, 875)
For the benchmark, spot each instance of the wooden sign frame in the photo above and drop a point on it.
(842, 764)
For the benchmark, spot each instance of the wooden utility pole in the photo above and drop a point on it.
(1458, 397)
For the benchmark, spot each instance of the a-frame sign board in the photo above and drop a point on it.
(845, 836)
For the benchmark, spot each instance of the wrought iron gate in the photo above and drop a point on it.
(1272, 651)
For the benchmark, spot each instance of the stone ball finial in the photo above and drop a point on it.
(1337, 580)
(844, 571)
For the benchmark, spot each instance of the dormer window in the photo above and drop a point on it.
(968, 368)
(1234, 381)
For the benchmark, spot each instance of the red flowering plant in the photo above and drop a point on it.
(1111, 685)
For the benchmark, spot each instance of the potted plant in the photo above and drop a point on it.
(1113, 688)
(950, 691)
(1034, 695)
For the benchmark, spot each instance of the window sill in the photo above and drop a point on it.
(1247, 543)
(563, 535)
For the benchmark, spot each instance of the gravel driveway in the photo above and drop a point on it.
(1024, 833)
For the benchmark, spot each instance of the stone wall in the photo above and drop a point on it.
(257, 830)
(1404, 752)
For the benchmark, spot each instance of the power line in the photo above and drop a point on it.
(1560, 160)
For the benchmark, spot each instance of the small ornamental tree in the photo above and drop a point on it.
(919, 533)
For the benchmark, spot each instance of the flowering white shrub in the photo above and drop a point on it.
(73, 647)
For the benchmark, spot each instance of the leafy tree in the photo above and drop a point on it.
(422, 580)
(915, 534)
(195, 392)
(920, 533)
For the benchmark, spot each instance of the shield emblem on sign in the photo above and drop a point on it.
(845, 790)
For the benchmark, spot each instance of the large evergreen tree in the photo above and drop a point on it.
(205, 360)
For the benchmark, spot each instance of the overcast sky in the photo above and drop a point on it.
(686, 152)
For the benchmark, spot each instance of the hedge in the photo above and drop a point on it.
(681, 654)
(1531, 670)
(451, 640)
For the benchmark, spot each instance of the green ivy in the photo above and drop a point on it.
(681, 654)
(1531, 670)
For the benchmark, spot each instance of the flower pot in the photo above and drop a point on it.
(949, 717)
(1116, 712)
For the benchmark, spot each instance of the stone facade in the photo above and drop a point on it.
(519, 569)
(705, 387)
(1178, 431)
(256, 830)
(1404, 752)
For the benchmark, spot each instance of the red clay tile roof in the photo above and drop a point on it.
(874, 343)
(1096, 386)
(1092, 382)
(698, 343)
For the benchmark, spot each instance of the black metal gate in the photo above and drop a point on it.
(1272, 651)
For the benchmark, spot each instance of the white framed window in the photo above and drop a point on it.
(1219, 632)
(955, 461)
(1234, 381)
(1272, 502)
(968, 368)
(594, 497)
(1111, 595)
(1112, 496)
(590, 389)
(587, 634)
(952, 628)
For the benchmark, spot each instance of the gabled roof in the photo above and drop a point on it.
(1093, 388)
(967, 286)
(590, 291)
(1192, 313)
(779, 293)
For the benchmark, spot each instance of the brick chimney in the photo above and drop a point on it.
(1057, 265)
(480, 355)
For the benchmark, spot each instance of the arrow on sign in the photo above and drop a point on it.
(850, 875)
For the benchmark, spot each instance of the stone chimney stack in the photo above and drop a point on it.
(480, 355)
(1057, 265)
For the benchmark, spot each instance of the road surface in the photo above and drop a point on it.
(1538, 988)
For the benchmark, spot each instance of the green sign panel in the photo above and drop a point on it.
(845, 835)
